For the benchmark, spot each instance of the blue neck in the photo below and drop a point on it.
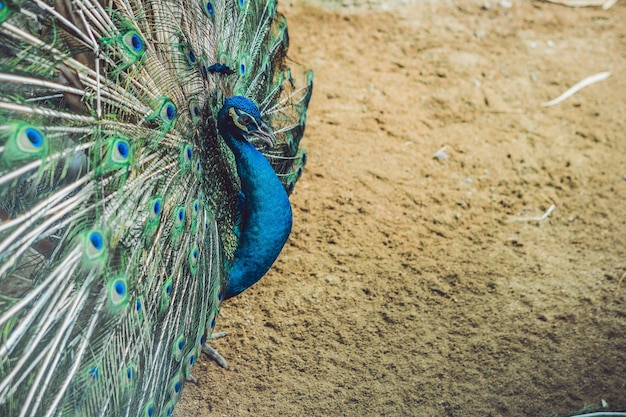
(266, 218)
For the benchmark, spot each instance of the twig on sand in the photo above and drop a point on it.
(536, 218)
(606, 4)
(577, 87)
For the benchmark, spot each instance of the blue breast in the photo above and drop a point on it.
(266, 218)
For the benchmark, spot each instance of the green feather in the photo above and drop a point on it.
(119, 199)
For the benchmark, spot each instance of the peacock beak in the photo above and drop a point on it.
(265, 133)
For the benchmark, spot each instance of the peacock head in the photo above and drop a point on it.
(240, 119)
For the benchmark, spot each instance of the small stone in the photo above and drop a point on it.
(441, 154)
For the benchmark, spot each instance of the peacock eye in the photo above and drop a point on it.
(245, 120)
(134, 43)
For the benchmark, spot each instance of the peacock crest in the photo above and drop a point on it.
(125, 205)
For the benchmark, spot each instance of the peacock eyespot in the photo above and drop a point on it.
(181, 215)
(119, 151)
(166, 291)
(189, 153)
(175, 386)
(94, 246)
(122, 149)
(120, 288)
(213, 323)
(138, 306)
(202, 340)
(118, 293)
(96, 240)
(27, 141)
(34, 137)
(129, 374)
(192, 57)
(192, 360)
(169, 408)
(209, 8)
(170, 112)
(165, 113)
(156, 207)
(136, 42)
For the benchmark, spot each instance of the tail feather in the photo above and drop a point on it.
(117, 195)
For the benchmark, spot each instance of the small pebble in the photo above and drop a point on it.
(468, 180)
(441, 154)
(550, 43)
(506, 4)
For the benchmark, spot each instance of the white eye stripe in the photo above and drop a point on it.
(242, 120)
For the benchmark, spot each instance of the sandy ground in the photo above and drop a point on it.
(416, 286)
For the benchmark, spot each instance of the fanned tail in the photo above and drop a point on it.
(117, 197)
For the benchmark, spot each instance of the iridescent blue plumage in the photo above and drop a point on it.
(136, 193)
(266, 212)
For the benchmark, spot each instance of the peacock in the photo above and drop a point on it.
(148, 149)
